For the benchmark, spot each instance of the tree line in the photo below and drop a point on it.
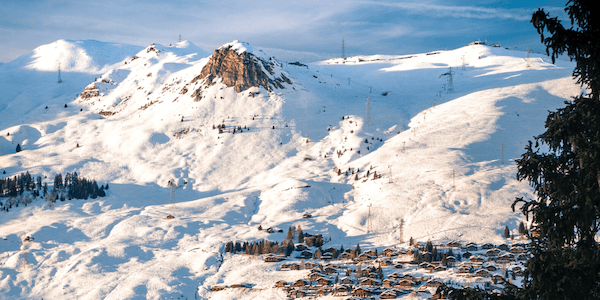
(24, 188)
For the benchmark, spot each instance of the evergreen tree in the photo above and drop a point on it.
(566, 209)
(290, 234)
(522, 229)
(18, 148)
(506, 232)
(300, 235)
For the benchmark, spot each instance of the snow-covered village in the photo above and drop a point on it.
(218, 170)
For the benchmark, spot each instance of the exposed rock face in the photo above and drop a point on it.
(89, 92)
(242, 70)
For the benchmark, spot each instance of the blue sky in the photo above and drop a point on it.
(289, 30)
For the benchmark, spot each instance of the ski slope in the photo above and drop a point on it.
(446, 161)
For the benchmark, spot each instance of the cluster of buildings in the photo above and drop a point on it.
(396, 272)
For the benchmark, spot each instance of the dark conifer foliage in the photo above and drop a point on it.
(24, 188)
(566, 210)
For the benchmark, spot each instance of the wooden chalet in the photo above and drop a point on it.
(492, 252)
(346, 256)
(370, 282)
(324, 281)
(216, 288)
(297, 293)
(302, 247)
(271, 258)
(322, 292)
(388, 283)
(364, 257)
(439, 269)
(476, 259)
(306, 254)
(487, 246)
(433, 283)
(370, 252)
(482, 273)
(385, 263)
(315, 275)
(472, 247)
(341, 290)
(491, 268)
(453, 244)
(404, 283)
(517, 250)
(346, 280)
(389, 294)
(281, 284)
(463, 269)
(300, 283)
(395, 276)
(389, 252)
(506, 257)
(308, 265)
(503, 247)
(361, 292)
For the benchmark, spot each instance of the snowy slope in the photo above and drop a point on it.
(446, 161)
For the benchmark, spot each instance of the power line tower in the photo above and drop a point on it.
(450, 85)
(343, 49)
(368, 111)
(179, 40)
(307, 155)
(528, 60)
(59, 78)
(463, 63)
(25, 250)
(401, 231)
(369, 221)
(502, 155)
(391, 180)
(173, 186)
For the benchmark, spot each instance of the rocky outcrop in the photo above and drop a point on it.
(242, 70)
(89, 92)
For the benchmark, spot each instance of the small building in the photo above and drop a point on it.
(364, 257)
(323, 281)
(389, 294)
(361, 292)
(404, 283)
(433, 283)
(491, 268)
(389, 252)
(300, 283)
(346, 280)
(517, 250)
(302, 247)
(309, 265)
(492, 252)
(271, 258)
(487, 246)
(370, 282)
(482, 273)
(453, 244)
(388, 283)
(297, 293)
(281, 284)
(341, 290)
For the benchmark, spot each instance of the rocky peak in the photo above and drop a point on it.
(240, 66)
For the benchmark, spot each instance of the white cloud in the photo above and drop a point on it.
(437, 10)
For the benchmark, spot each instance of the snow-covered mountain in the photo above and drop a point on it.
(252, 141)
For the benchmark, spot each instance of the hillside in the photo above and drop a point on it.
(139, 118)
